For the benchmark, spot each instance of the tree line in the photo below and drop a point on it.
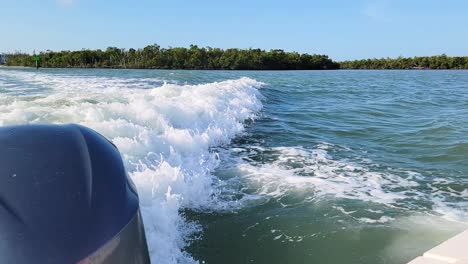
(194, 57)
(432, 62)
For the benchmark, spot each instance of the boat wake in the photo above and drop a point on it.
(173, 137)
(165, 132)
(314, 174)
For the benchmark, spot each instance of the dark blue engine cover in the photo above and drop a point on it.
(64, 193)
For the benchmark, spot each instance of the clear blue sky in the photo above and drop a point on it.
(342, 29)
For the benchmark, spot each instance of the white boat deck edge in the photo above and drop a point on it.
(454, 250)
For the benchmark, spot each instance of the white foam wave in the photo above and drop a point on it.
(163, 131)
(296, 167)
(381, 220)
(316, 174)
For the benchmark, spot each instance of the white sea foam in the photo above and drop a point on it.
(316, 174)
(163, 130)
(299, 168)
(381, 220)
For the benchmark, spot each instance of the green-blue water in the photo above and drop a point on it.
(274, 167)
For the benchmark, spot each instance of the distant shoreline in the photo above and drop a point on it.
(196, 58)
(116, 68)
(192, 58)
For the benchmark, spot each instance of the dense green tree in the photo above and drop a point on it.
(433, 62)
(155, 57)
(194, 57)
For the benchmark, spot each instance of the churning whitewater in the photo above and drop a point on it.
(164, 131)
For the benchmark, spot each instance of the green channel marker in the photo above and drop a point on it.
(37, 58)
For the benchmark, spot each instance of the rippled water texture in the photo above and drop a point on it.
(273, 167)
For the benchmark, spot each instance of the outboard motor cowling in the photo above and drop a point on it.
(65, 197)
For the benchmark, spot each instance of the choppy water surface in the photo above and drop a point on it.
(273, 167)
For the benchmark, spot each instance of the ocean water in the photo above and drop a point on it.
(273, 167)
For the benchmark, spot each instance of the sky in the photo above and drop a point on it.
(342, 29)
